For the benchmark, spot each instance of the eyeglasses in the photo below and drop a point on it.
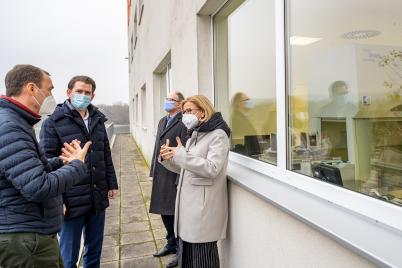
(189, 111)
(170, 99)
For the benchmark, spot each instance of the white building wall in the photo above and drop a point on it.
(166, 27)
(259, 234)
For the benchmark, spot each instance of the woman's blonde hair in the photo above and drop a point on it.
(202, 103)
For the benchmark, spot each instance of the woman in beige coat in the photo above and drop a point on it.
(201, 202)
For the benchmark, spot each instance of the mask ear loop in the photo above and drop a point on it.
(36, 98)
(40, 92)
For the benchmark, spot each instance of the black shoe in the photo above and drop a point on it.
(165, 251)
(173, 262)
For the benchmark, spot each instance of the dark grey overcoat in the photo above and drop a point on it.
(164, 185)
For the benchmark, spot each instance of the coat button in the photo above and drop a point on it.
(93, 168)
(94, 185)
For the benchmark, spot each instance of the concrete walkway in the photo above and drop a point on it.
(132, 235)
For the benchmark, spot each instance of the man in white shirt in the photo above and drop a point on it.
(86, 202)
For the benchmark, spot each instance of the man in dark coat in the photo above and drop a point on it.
(31, 186)
(164, 181)
(86, 202)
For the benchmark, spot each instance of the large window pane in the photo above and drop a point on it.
(245, 75)
(345, 86)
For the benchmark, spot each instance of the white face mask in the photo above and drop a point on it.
(48, 105)
(190, 120)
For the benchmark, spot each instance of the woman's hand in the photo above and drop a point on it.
(167, 152)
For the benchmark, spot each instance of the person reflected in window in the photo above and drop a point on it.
(202, 203)
(242, 125)
(341, 104)
(338, 143)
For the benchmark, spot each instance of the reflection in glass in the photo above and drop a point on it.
(244, 137)
(345, 86)
(245, 75)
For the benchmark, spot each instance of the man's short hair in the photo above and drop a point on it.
(82, 78)
(20, 75)
(180, 96)
(338, 88)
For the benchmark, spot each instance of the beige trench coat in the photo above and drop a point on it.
(201, 212)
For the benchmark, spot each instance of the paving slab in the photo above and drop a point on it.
(111, 240)
(159, 233)
(110, 254)
(135, 238)
(145, 262)
(114, 264)
(137, 250)
(135, 227)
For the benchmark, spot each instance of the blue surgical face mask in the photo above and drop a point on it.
(80, 101)
(249, 104)
(169, 106)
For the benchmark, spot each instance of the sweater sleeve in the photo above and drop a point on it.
(24, 169)
(210, 166)
(50, 143)
(110, 172)
(169, 165)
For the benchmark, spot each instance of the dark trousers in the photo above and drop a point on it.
(92, 226)
(198, 255)
(29, 250)
(168, 222)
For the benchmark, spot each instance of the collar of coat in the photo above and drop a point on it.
(215, 122)
(29, 116)
(176, 118)
(177, 115)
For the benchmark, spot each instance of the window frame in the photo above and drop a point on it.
(312, 198)
(213, 80)
(140, 8)
(137, 110)
(144, 101)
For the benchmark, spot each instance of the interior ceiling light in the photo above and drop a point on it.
(360, 34)
(302, 40)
